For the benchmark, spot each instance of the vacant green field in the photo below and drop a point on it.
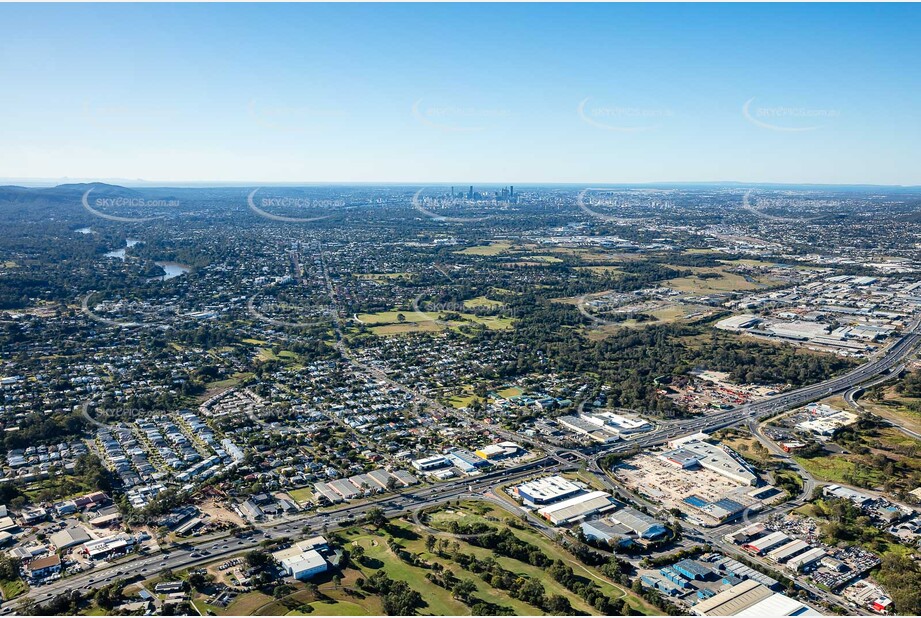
(13, 588)
(393, 317)
(491, 249)
(482, 301)
(842, 469)
(302, 495)
(386, 323)
(726, 282)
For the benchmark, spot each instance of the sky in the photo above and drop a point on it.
(461, 93)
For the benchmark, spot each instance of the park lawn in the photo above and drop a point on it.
(482, 301)
(440, 602)
(254, 341)
(511, 391)
(494, 248)
(246, 604)
(338, 608)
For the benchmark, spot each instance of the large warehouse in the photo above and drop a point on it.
(749, 598)
(547, 490)
(578, 508)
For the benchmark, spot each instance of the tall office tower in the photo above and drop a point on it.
(470, 193)
(452, 192)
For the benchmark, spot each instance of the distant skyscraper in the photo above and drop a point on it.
(470, 193)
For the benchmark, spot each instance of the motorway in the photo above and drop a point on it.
(411, 500)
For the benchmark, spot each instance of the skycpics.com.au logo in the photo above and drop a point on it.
(417, 203)
(787, 119)
(455, 118)
(135, 203)
(293, 118)
(582, 201)
(623, 119)
(281, 202)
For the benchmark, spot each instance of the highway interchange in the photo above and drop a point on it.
(413, 499)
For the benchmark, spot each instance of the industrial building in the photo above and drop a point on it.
(745, 533)
(547, 490)
(578, 507)
(788, 550)
(750, 598)
(642, 525)
(766, 543)
(610, 533)
(808, 558)
(860, 500)
(69, 537)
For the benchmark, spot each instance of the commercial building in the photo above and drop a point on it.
(752, 600)
(466, 461)
(43, 567)
(431, 463)
(301, 564)
(745, 533)
(344, 489)
(593, 431)
(578, 507)
(610, 533)
(547, 490)
(104, 548)
(777, 605)
(642, 525)
(720, 459)
(616, 423)
(691, 569)
(766, 543)
(788, 550)
(808, 558)
(499, 450)
(860, 500)
(69, 537)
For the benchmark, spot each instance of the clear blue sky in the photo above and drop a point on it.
(462, 93)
